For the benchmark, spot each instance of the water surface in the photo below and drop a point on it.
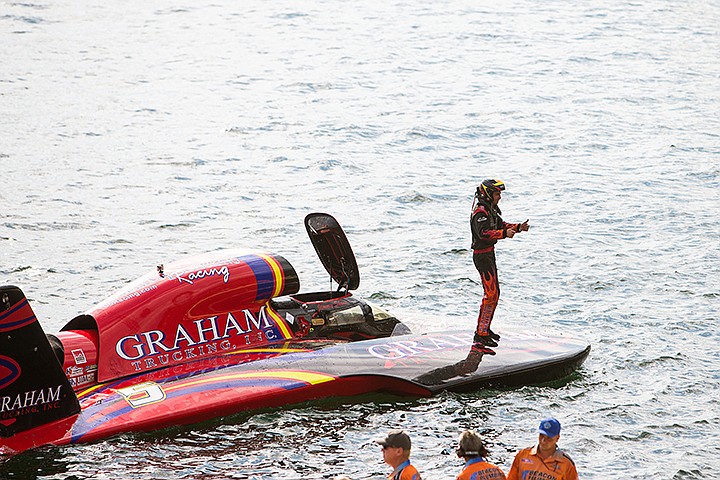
(135, 133)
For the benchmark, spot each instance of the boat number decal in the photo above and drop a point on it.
(142, 394)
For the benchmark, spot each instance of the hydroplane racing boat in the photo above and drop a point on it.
(226, 332)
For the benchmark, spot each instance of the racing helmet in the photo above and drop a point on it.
(490, 186)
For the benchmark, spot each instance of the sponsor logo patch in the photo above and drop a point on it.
(79, 356)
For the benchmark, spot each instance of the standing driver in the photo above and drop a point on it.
(487, 228)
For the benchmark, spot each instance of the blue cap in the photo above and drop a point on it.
(549, 427)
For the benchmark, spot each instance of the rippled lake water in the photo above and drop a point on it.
(134, 133)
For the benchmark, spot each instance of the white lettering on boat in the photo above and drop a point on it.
(29, 401)
(411, 348)
(208, 272)
(207, 336)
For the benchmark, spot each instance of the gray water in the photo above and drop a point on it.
(134, 133)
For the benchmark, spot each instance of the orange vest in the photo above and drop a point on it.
(529, 466)
(405, 471)
(478, 469)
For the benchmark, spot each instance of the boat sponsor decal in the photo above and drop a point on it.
(79, 356)
(410, 348)
(191, 277)
(127, 296)
(82, 380)
(268, 271)
(9, 371)
(8, 323)
(208, 336)
(73, 371)
(81, 376)
(30, 402)
(217, 267)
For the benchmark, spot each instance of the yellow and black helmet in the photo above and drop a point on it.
(490, 186)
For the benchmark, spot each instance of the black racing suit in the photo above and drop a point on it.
(487, 228)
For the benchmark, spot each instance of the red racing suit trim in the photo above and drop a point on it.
(487, 227)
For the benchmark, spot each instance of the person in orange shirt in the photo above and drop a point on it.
(544, 461)
(396, 453)
(471, 449)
